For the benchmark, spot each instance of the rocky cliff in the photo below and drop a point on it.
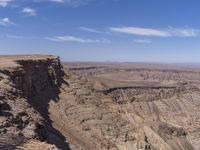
(28, 84)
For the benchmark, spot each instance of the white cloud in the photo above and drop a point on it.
(142, 41)
(184, 32)
(57, 1)
(90, 30)
(69, 38)
(141, 31)
(29, 11)
(75, 3)
(4, 3)
(93, 30)
(169, 32)
(6, 22)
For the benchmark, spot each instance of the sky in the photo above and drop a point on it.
(102, 30)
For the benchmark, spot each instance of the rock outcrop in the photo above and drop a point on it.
(27, 85)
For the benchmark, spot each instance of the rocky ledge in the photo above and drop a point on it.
(27, 85)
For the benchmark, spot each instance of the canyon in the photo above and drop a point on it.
(49, 104)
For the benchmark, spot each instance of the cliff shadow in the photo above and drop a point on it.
(40, 82)
(8, 142)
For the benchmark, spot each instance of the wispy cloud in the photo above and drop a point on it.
(69, 38)
(57, 1)
(11, 36)
(184, 32)
(142, 41)
(29, 11)
(90, 30)
(169, 32)
(93, 30)
(6, 22)
(141, 31)
(74, 3)
(20, 37)
(4, 3)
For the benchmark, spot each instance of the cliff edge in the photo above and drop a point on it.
(27, 85)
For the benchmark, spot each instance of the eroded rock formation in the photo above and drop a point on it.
(45, 106)
(27, 86)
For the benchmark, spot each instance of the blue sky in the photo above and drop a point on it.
(102, 30)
